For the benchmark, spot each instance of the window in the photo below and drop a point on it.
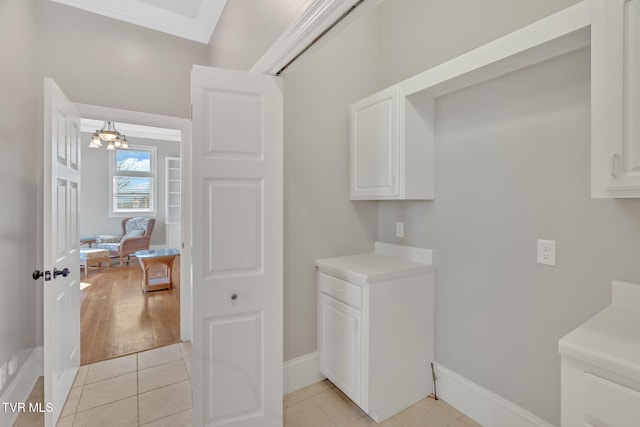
(133, 181)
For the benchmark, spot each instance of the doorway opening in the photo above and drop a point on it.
(118, 317)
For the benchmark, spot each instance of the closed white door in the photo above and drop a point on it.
(237, 248)
(61, 248)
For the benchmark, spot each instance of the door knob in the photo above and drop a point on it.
(234, 297)
(65, 272)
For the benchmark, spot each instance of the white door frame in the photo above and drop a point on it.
(184, 125)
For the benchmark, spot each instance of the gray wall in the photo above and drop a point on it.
(240, 47)
(513, 166)
(94, 202)
(145, 70)
(18, 136)
(319, 219)
(512, 162)
(415, 35)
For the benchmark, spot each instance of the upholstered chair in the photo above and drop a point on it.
(136, 236)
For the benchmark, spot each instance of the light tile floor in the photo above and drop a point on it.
(153, 389)
(324, 405)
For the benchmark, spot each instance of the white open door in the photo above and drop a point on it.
(61, 248)
(237, 248)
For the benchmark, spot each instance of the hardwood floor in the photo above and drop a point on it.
(118, 318)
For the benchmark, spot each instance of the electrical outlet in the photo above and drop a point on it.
(3, 375)
(547, 252)
(399, 229)
(13, 365)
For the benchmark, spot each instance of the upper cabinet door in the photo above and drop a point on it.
(374, 146)
(615, 56)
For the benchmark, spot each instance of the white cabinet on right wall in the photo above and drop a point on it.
(615, 98)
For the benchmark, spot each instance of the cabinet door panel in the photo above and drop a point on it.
(374, 146)
(615, 56)
(339, 345)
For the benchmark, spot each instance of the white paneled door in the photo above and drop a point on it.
(61, 249)
(237, 248)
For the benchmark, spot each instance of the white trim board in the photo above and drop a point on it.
(480, 404)
(318, 16)
(22, 385)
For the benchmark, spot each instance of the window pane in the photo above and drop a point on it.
(132, 193)
(133, 160)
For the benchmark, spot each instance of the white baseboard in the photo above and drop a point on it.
(480, 404)
(21, 386)
(301, 372)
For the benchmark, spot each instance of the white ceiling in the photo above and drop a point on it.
(191, 19)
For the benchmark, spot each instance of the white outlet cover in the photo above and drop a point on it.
(546, 252)
(3, 375)
(13, 365)
(399, 229)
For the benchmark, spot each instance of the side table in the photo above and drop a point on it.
(157, 266)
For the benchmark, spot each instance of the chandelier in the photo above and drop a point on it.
(111, 136)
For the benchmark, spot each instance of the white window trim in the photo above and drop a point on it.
(153, 213)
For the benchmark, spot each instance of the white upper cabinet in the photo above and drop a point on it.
(389, 158)
(615, 98)
(392, 131)
(374, 146)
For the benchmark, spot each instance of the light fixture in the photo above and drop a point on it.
(111, 136)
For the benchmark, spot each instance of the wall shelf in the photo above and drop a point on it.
(409, 146)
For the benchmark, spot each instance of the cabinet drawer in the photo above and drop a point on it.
(339, 289)
(611, 404)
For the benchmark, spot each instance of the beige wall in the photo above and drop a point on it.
(18, 138)
(319, 219)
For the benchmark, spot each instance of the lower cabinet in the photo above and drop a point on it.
(600, 365)
(375, 339)
(595, 397)
(341, 338)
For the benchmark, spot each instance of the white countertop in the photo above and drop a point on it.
(370, 268)
(610, 339)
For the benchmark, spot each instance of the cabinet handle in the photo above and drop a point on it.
(614, 157)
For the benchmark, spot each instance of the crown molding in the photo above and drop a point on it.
(319, 15)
